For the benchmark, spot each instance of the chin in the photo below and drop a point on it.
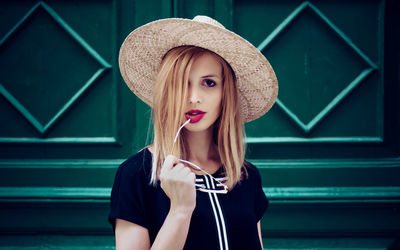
(198, 127)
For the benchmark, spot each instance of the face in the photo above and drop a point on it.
(204, 93)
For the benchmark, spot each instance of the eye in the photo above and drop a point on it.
(209, 83)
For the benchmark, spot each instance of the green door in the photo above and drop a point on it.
(328, 151)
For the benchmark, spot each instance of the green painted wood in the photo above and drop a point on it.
(30, 242)
(43, 128)
(282, 173)
(303, 218)
(301, 22)
(276, 194)
(275, 173)
(327, 220)
(328, 243)
(69, 119)
(223, 12)
(97, 242)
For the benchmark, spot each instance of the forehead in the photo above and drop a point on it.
(206, 63)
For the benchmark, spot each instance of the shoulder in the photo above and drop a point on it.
(138, 164)
(251, 174)
(252, 171)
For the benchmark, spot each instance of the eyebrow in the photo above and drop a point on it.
(207, 76)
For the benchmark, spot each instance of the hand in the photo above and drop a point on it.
(178, 182)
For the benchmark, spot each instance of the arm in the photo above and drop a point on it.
(259, 234)
(173, 233)
(129, 235)
(177, 181)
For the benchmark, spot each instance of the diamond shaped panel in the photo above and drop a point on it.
(46, 66)
(326, 64)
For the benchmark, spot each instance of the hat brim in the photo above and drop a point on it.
(141, 53)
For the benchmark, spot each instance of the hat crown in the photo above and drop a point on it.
(208, 20)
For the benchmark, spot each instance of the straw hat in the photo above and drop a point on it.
(141, 53)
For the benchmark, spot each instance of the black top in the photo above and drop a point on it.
(219, 221)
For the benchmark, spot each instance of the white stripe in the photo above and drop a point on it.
(216, 216)
(222, 217)
(219, 179)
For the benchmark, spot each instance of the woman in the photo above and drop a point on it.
(192, 188)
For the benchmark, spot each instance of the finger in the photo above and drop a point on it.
(192, 176)
(167, 166)
(188, 175)
(177, 168)
(169, 162)
(175, 160)
(185, 170)
(179, 171)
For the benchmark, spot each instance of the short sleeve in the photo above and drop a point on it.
(128, 194)
(261, 201)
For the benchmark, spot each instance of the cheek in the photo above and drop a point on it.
(218, 104)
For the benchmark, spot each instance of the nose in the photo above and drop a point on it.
(194, 95)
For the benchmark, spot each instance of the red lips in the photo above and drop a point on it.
(194, 115)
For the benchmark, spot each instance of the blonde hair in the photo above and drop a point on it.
(170, 96)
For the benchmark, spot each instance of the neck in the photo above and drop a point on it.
(201, 146)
